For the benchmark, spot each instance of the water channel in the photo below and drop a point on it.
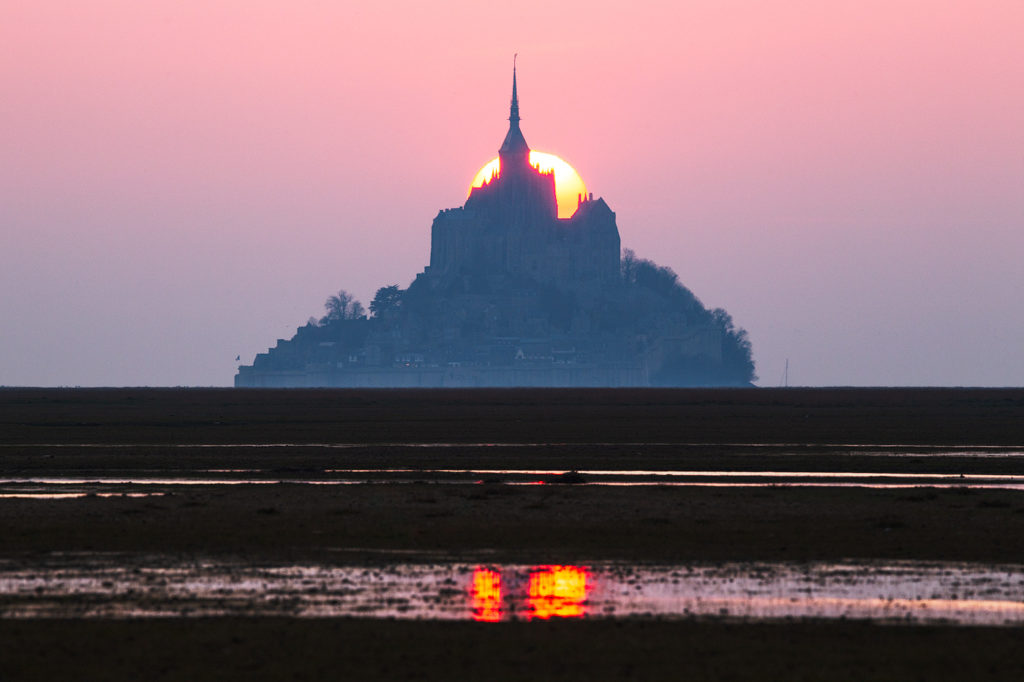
(99, 585)
(136, 483)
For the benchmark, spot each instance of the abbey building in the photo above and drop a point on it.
(510, 225)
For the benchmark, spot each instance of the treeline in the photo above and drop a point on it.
(737, 353)
(344, 306)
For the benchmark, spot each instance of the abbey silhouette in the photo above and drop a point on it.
(510, 226)
(515, 296)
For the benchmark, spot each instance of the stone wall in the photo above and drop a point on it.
(610, 376)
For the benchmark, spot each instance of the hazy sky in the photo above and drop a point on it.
(185, 181)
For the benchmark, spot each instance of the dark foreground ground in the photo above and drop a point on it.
(923, 416)
(653, 429)
(282, 649)
(530, 524)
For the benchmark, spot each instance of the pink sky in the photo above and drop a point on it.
(182, 182)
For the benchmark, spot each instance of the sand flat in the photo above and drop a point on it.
(296, 435)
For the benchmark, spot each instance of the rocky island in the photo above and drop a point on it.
(515, 295)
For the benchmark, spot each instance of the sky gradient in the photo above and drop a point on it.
(182, 182)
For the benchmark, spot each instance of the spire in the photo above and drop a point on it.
(514, 146)
(514, 109)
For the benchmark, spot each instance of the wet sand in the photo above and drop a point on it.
(801, 416)
(744, 430)
(545, 524)
(287, 649)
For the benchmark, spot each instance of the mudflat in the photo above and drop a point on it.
(293, 436)
(291, 649)
(722, 416)
(540, 524)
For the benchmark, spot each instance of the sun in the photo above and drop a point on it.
(568, 183)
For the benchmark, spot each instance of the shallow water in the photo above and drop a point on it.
(116, 585)
(140, 483)
(860, 449)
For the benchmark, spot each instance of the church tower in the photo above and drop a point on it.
(514, 153)
(509, 226)
(520, 194)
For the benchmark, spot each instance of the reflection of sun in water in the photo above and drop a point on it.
(568, 183)
(486, 595)
(557, 591)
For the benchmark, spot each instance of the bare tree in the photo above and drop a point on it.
(344, 306)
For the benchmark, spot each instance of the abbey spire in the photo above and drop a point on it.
(514, 108)
(514, 151)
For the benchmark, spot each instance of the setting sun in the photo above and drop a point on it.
(568, 183)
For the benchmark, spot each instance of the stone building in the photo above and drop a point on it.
(510, 226)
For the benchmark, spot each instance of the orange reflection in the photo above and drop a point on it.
(557, 592)
(486, 595)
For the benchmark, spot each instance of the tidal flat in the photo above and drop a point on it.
(330, 480)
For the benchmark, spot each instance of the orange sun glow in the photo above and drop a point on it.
(557, 592)
(568, 183)
(486, 595)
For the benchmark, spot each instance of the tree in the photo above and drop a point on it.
(627, 265)
(344, 306)
(737, 366)
(663, 281)
(737, 353)
(387, 298)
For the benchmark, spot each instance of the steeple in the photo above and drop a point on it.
(514, 109)
(514, 151)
